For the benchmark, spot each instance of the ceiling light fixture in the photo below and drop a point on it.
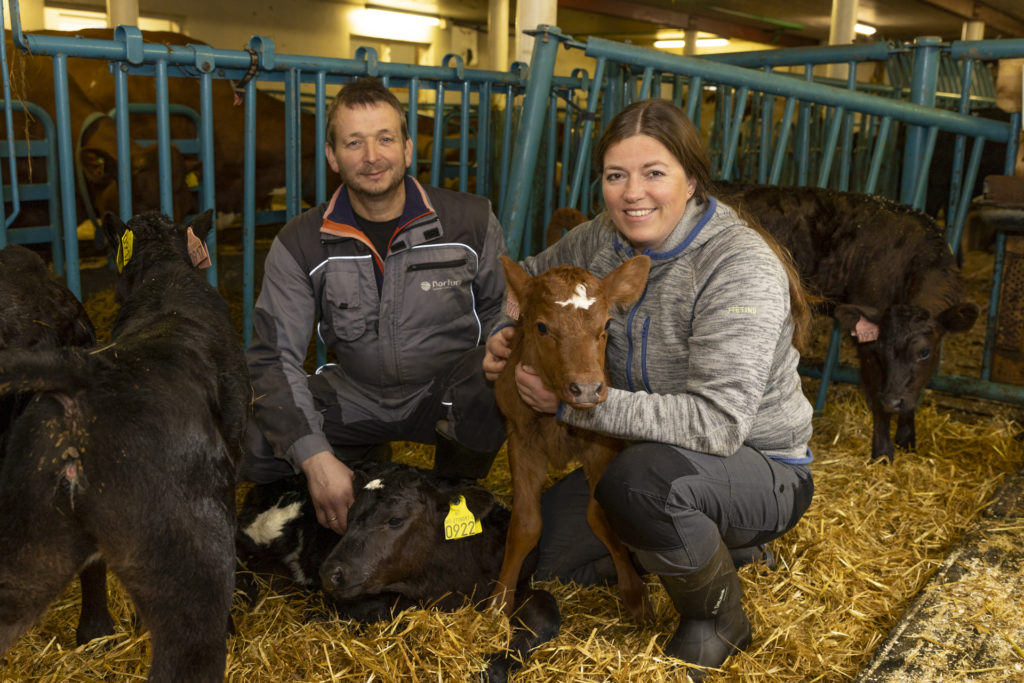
(864, 29)
(388, 24)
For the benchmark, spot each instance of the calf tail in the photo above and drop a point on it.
(52, 370)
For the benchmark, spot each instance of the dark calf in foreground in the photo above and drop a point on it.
(562, 334)
(403, 548)
(893, 282)
(129, 453)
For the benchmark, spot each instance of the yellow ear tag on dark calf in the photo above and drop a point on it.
(124, 249)
(460, 522)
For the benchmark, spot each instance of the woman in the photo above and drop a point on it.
(704, 383)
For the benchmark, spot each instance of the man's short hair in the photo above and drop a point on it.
(364, 92)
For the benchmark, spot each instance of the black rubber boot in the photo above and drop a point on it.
(712, 625)
(452, 459)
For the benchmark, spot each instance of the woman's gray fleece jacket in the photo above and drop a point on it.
(705, 359)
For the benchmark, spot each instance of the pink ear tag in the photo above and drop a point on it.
(197, 250)
(866, 331)
(512, 306)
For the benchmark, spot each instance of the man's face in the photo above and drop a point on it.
(369, 153)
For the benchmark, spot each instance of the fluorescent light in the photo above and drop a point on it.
(701, 42)
(379, 23)
(864, 29)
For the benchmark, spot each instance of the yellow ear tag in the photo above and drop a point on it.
(124, 249)
(191, 179)
(460, 522)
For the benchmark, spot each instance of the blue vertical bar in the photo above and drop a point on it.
(292, 145)
(67, 178)
(437, 158)
(542, 66)
(206, 153)
(484, 141)
(414, 120)
(464, 139)
(579, 171)
(319, 156)
(163, 138)
(249, 211)
(922, 91)
(122, 119)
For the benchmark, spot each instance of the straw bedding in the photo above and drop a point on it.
(873, 536)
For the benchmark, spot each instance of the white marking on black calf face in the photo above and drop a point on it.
(270, 523)
(579, 298)
(374, 485)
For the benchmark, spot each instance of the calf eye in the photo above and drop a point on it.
(542, 328)
(395, 522)
(924, 354)
(608, 323)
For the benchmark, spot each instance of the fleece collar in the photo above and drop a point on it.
(340, 219)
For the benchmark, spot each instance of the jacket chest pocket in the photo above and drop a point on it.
(342, 305)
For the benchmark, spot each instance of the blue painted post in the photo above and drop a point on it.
(922, 91)
(207, 193)
(122, 120)
(547, 39)
(249, 211)
(67, 176)
(292, 145)
(163, 136)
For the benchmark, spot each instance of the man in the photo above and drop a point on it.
(402, 281)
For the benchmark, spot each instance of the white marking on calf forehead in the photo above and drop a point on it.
(375, 484)
(268, 524)
(579, 298)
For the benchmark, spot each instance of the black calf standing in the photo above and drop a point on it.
(129, 453)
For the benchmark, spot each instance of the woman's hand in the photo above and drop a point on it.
(498, 348)
(533, 391)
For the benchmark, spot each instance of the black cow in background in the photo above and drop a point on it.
(38, 312)
(129, 453)
(395, 553)
(888, 276)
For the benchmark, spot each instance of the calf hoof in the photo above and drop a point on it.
(499, 666)
(91, 629)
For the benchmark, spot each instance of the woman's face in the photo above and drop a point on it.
(645, 189)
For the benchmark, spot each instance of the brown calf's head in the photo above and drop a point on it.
(897, 365)
(564, 318)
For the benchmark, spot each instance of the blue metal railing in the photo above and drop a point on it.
(921, 120)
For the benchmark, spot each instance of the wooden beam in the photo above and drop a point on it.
(700, 20)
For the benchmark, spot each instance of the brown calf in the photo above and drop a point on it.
(562, 334)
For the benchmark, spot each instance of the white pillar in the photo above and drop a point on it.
(690, 41)
(973, 30)
(497, 34)
(529, 15)
(122, 13)
(844, 17)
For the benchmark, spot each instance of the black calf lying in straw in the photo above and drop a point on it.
(405, 546)
(129, 453)
(38, 312)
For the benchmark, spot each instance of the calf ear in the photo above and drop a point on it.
(516, 279)
(202, 223)
(959, 318)
(478, 499)
(98, 167)
(625, 284)
(113, 226)
(849, 315)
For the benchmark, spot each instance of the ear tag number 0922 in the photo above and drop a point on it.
(460, 522)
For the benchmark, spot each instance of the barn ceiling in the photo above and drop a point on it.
(806, 22)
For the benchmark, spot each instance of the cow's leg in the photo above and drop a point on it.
(182, 590)
(881, 440)
(94, 620)
(631, 586)
(40, 556)
(528, 470)
(906, 437)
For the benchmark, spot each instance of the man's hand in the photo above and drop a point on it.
(497, 352)
(533, 391)
(330, 487)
